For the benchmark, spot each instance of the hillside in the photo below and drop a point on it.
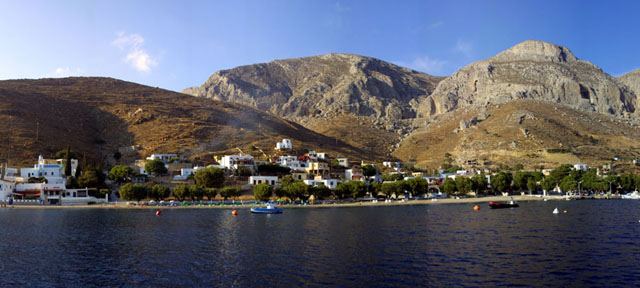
(531, 132)
(100, 116)
(320, 92)
(533, 70)
(632, 80)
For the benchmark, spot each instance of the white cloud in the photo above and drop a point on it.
(66, 72)
(136, 56)
(425, 64)
(464, 47)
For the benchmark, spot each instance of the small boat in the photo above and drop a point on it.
(634, 195)
(498, 205)
(270, 209)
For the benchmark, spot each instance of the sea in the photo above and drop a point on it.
(590, 243)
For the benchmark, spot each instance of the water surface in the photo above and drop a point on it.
(595, 244)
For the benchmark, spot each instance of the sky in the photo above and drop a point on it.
(179, 44)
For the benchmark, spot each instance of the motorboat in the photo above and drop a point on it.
(270, 209)
(634, 195)
(498, 205)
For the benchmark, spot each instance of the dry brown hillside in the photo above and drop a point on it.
(534, 133)
(100, 115)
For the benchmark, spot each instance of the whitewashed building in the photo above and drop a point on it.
(163, 157)
(344, 162)
(271, 180)
(236, 161)
(186, 172)
(353, 174)
(330, 183)
(583, 167)
(285, 144)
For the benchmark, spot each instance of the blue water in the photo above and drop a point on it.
(595, 244)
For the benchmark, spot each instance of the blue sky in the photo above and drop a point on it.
(177, 44)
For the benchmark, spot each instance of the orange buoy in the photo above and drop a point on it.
(158, 213)
(476, 207)
(234, 212)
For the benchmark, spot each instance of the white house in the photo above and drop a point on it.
(583, 167)
(271, 180)
(51, 172)
(353, 174)
(391, 164)
(284, 145)
(295, 165)
(164, 157)
(186, 172)
(344, 162)
(330, 183)
(236, 161)
(322, 155)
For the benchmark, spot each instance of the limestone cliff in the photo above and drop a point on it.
(323, 87)
(532, 70)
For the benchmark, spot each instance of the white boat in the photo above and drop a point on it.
(634, 195)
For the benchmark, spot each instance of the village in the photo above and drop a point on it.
(170, 177)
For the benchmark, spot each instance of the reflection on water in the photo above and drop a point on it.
(594, 244)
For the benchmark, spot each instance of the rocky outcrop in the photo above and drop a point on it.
(632, 80)
(323, 87)
(532, 70)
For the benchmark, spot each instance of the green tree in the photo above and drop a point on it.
(627, 182)
(196, 192)
(155, 167)
(320, 191)
(369, 170)
(375, 188)
(518, 167)
(501, 182)
(531, 185)
(229, 192)
(273, 169)
(243, 171)
(89, 178)
(568, 184)
(159, 192)
(67, 165)
(211, 193)
(120, 173)
(479, 182)
(448, 186)
(463, 185)
(520, 180)
(131, 191)
(286, 180)
(353, 189)
(391, 188)
(548, 183)
(296, 190)
(210, 177)
(262, 192)
(62, 154)
(181, 192)
(418, 186)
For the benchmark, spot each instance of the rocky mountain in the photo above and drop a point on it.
(632, 80)
(102, 116)
(324, 87)
(532, 70)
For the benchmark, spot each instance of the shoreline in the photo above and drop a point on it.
(471, 200)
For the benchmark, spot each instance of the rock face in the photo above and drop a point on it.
(632, 80)
(323, 87)
(532, 70)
